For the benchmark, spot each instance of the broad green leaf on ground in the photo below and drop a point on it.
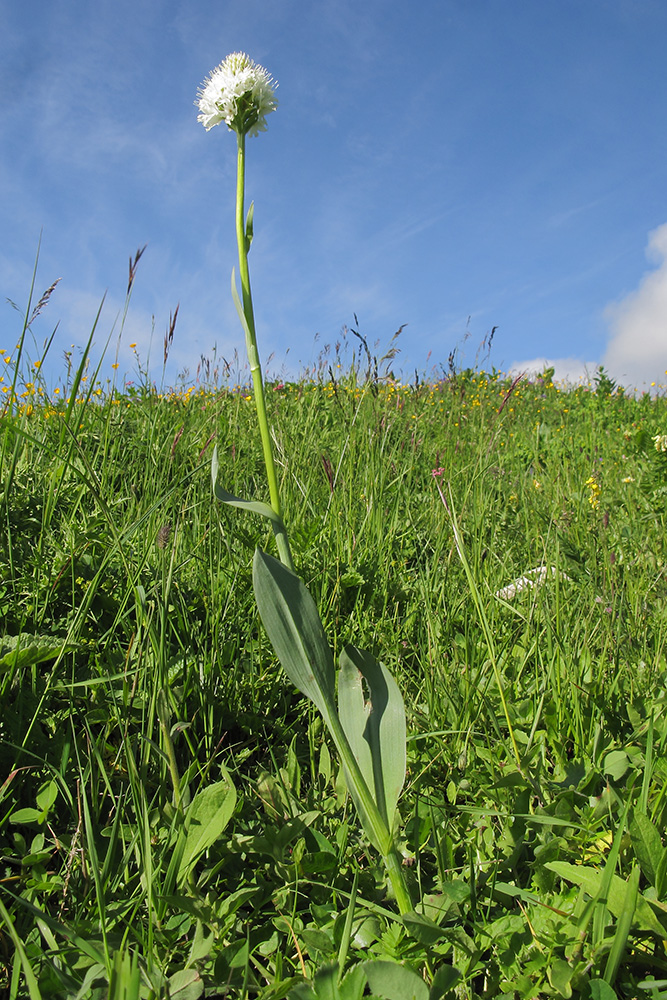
(590, 880)
(46, 797)
(374, 726)
(186, 984)
(616, 763)
(205, 819)
(326, 985)
(647, 844)
(395, 982)
(293, 625)
(444, 979)
(601, 990)
(560, 975)
(422, 928)
(26, 650)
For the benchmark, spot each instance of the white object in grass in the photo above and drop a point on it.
(533, 578)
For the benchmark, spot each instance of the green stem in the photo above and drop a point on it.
(379, 833)
(163, 715)
(243, 241)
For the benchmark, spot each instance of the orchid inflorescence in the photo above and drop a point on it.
(239, 92)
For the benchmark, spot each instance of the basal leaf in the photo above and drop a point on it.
(207, 816)
(374, 726)
(293, 625)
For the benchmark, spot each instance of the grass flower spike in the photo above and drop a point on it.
(238, 92)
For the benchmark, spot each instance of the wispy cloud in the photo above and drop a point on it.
(570, 370)
(637, 349)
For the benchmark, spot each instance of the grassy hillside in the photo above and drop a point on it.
(173, 821)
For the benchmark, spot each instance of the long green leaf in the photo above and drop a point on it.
(249, 339)
(293, 625)
(623, 928)
(252, 506)
(375, 727)
(30, 978)
(249, 225)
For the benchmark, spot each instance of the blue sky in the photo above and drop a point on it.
(452, 165)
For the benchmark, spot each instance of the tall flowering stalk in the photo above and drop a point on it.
(241, 93)
(369, 733)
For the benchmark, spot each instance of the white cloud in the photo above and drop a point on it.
(570, 370)
(637, 349)
(636, 352)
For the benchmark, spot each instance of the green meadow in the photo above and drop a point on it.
(174, 821)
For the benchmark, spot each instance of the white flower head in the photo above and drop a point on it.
(239, 92)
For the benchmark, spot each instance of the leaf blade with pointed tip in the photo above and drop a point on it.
(253, 506)
(647, 844)
(293, 625)
(207, 816)
(375, 728)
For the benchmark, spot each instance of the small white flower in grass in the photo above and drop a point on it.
(533, 578)
(238, 92)
(660, 442)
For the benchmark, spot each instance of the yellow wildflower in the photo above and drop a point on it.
(595, 491)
